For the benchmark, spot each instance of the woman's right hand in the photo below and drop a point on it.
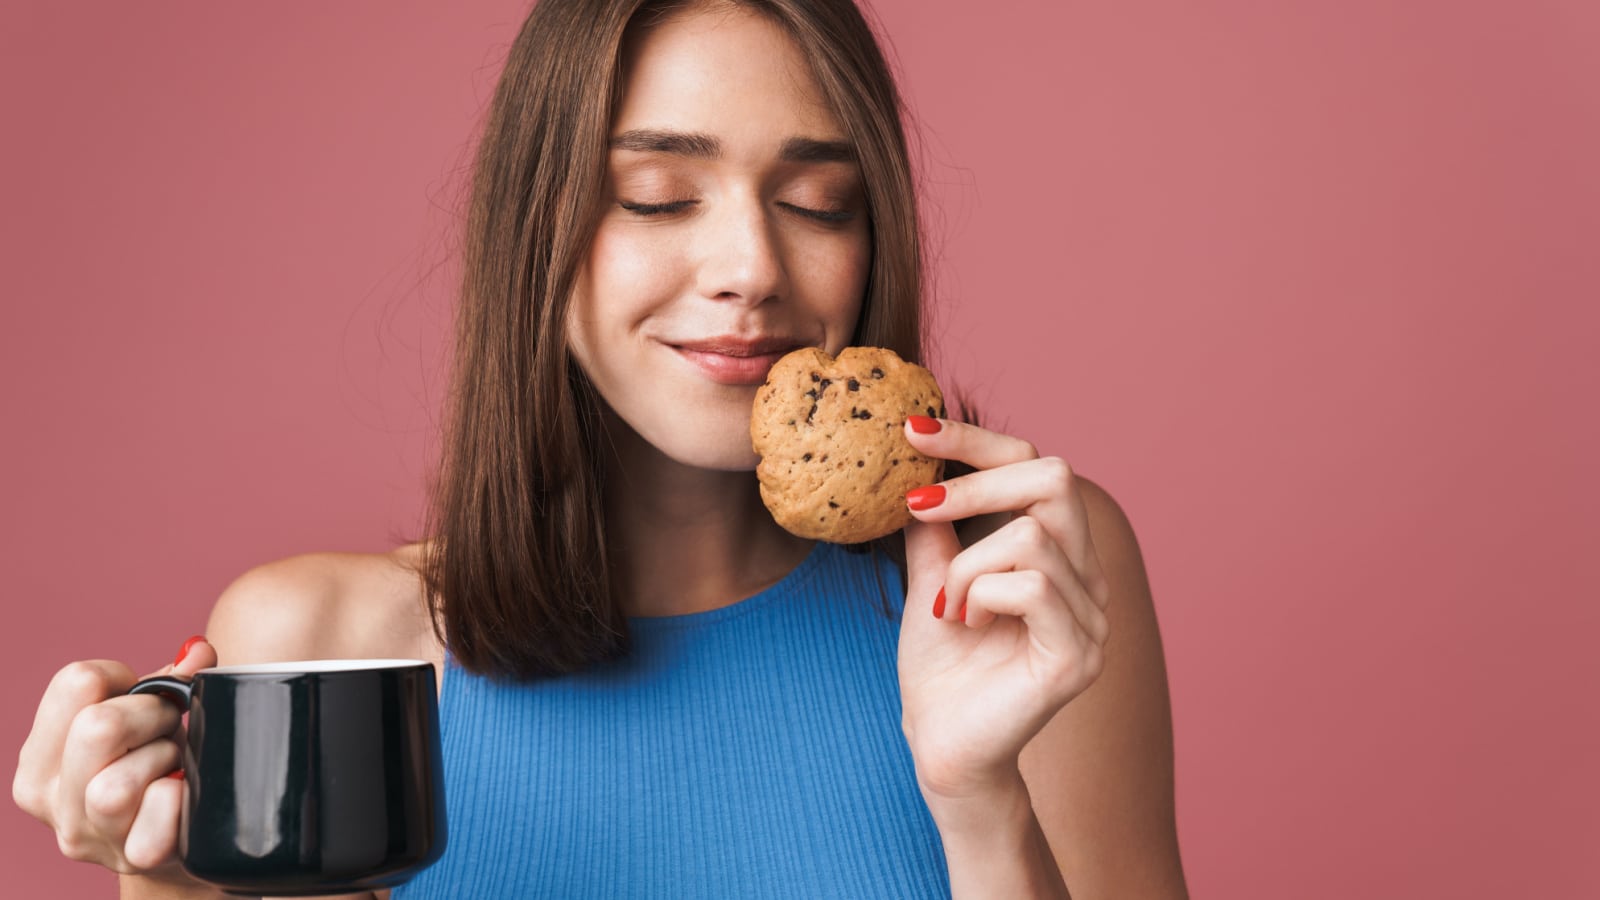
(94, 768)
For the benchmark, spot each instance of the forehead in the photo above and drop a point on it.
(728, 72)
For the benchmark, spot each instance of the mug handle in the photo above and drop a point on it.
(173, 690)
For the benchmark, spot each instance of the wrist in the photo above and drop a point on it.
(167, 882)
(991, 805)
(994, 845)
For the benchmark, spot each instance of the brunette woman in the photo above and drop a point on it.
(648, 689)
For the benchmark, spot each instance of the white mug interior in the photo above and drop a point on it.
(312, 665)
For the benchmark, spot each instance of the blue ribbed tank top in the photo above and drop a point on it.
(748, 751)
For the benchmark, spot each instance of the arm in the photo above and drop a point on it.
(1092, 799)
(994, 846)
(1100, 773)
(281, 610)
(1011, 680)
(150, 887)
(139, 887)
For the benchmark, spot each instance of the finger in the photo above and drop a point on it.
(977, 447)
(153, 837)
(1043, 488)
(1016, 487)
(1061, 655)
(200, 654)
(994, 594)
(75, 687)
(929, 550)
(101, 734)
(112, 796)
(1026, 594)
(1021, 545)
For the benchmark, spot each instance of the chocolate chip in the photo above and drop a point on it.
(861, 463)
(806, 458)
(832, 505)
(825, 383)
(855, 385)
(860, 413)
(811, 394)
(812, 412)
(845, 513)
(877, 373)
(815, 376)
(894, 462)
(932, 414)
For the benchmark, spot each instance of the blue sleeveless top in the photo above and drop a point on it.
(748, 751)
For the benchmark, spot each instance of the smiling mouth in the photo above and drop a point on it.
(741, 347)
(735, 362)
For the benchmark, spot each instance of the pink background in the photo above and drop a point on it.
(1310, 287)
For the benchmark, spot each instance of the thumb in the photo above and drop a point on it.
(930, 546)
(197, 654)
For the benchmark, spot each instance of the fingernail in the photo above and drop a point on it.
(938, 605)
(963, 613)
(924, 425)
(926, 497)
(176, 773)
(186, 647)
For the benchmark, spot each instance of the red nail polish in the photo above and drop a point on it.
(926, 497)
(176, 773)
(963, 613)
(186, 647)
(924, 424)
(938, 605)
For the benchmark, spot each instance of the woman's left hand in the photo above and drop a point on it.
(997, 637)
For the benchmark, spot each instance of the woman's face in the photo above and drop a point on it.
(735, 229)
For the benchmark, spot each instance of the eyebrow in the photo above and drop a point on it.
(704, 146)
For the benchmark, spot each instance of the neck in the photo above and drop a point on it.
(686, 539)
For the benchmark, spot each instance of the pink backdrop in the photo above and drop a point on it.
(1310, 287)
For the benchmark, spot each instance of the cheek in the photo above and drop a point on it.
(844, 273)
(620, 281)
(861, 267)
(622, 270)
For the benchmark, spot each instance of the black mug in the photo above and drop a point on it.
(305, 778)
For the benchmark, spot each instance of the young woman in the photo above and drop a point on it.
(647, 687)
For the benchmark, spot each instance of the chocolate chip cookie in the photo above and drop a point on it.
(835, 463)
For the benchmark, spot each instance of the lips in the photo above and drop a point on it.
(736, 346)
(734, 360)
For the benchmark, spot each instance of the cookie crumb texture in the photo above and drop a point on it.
(835, 463)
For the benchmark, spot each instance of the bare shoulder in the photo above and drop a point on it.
(325, 606)
(1100, 773)
(1109, 527)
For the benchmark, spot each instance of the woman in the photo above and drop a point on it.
(667, 199)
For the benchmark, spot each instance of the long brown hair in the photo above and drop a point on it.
(517, 574)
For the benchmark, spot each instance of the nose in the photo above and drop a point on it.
(742, 257)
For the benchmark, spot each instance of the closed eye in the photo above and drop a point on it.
(655, 209)
(833, 216)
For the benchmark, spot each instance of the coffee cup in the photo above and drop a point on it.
(313, 777)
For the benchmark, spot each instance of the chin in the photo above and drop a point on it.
(715, 434)
(716, 456)
(720, 443)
